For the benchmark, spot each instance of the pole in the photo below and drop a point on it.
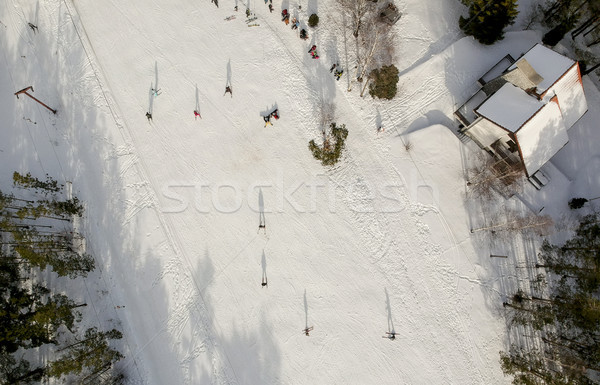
(24, 91)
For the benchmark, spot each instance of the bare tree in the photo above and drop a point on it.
(524, 223)
(375, 46)
(356, 10)
(372, 37)
(488, 176)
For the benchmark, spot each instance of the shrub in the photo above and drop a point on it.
(334, 143)
(384, 83)
(313, 20)
(555, 35)
(577, 203)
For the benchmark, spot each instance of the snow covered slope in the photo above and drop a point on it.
(379, 242)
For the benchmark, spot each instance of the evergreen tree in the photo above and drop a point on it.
(488, 18)
(571, 307)
(29, 182)
(384, 83)
(13, 371)
(92, 355)
(334, 142)
(57, 252)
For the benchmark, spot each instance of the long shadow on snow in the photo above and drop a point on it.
(253, 356)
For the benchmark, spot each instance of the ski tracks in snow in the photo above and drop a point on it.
(387, 239)
(189, 306)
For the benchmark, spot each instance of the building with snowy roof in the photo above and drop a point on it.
(522, 113)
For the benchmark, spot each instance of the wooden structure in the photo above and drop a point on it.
(24, 91)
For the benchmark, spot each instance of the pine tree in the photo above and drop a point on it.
(570, 305)
(92, 355)
(29, 182)
(488, 18)
(13, 371)
(334, 142)
(385, 82)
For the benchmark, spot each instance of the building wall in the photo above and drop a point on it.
(571, 98)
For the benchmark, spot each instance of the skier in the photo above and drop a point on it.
(267, 119)
(285, 16)
(312, 49)
(149, 116)
(295, 23)
(264, 282)
(303, 34)
(307, 330)
(235, 8)
(228, 89)
(270, 7)
(333, 67)
(247, 12)
(197, 114)
(33, 27)
(275, 114)
(338, 74)
(391, 335)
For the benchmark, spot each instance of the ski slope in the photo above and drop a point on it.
(380, 242)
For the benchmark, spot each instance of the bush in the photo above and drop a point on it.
(555, 35)
(313, 20)
(384, 83)
(334, 143)
(577, 203)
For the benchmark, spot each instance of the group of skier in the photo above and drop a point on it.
(285, 17)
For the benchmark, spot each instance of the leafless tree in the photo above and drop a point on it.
(375, 41)
(518, 222)
(356, 10)
(372, 37)
(489, 175)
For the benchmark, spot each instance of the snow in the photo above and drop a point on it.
(510, 107)
(380, 241)
(549, 64)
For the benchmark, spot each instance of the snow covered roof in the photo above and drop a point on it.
(541, 137)
(548, 64)
(510, 107)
